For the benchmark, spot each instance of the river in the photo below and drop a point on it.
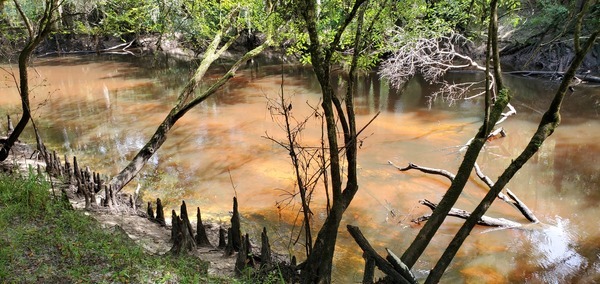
(103, 109)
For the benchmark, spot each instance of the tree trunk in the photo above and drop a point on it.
(34, 40)
(201, 237)
(236, 232)
(319, 263)
(438, 216)
(549, 122)
(160, 214)
(184, 104)
(265, 250)
(24, 93)
(381, 263)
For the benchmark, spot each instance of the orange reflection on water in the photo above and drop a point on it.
(105, 110)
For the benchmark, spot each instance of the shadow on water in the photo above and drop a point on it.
(103, 109)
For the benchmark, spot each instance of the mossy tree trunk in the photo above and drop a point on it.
(550, 120)
(502, 98)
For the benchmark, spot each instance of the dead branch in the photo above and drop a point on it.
(493, 135)
(121, 48)
(453, 92)
(511, 199)
(426, 170)
(398, 264)
(432, 57)
(381, 263)
(497, 132)
(583, 77)
(505, 115)
(463, 214)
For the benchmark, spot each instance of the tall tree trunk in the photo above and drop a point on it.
(319, 263)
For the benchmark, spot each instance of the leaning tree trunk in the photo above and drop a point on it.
(184, 104)
(438, 216)
(549, 122)
(35, 38)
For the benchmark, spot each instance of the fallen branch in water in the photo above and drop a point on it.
(402, 275)
(511, 199)
(558, 75)
(117, 49)
(497, 133)
(426, 170)
(463, 214)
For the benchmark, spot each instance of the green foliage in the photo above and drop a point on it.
(28, 194)
(551, 13)
(470, 18)
(129, 17)
(379, 16)
(12, 27)
(43, 242)
(194, 22)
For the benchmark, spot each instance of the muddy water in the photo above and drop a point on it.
(104, 109)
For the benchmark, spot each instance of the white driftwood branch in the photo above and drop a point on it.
(510, 199)
(463, 214)
(511, 111)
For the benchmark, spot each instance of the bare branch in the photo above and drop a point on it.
(432, 57)
(513, 200)
(426, 170)
(463, 214)
(505, 115)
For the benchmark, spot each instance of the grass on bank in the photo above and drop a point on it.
(43, 241)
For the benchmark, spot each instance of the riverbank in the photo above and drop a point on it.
(44, 241)
(50, 240)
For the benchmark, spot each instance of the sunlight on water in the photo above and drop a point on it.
(104, 109)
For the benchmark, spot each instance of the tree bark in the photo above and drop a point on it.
(160, 214)
(222, 238)
(369, 273)
(181, 233)
(265, 250)
(236, 232)
(319, 263)
(201, 237)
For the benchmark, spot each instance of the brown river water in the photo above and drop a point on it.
(103, 109)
